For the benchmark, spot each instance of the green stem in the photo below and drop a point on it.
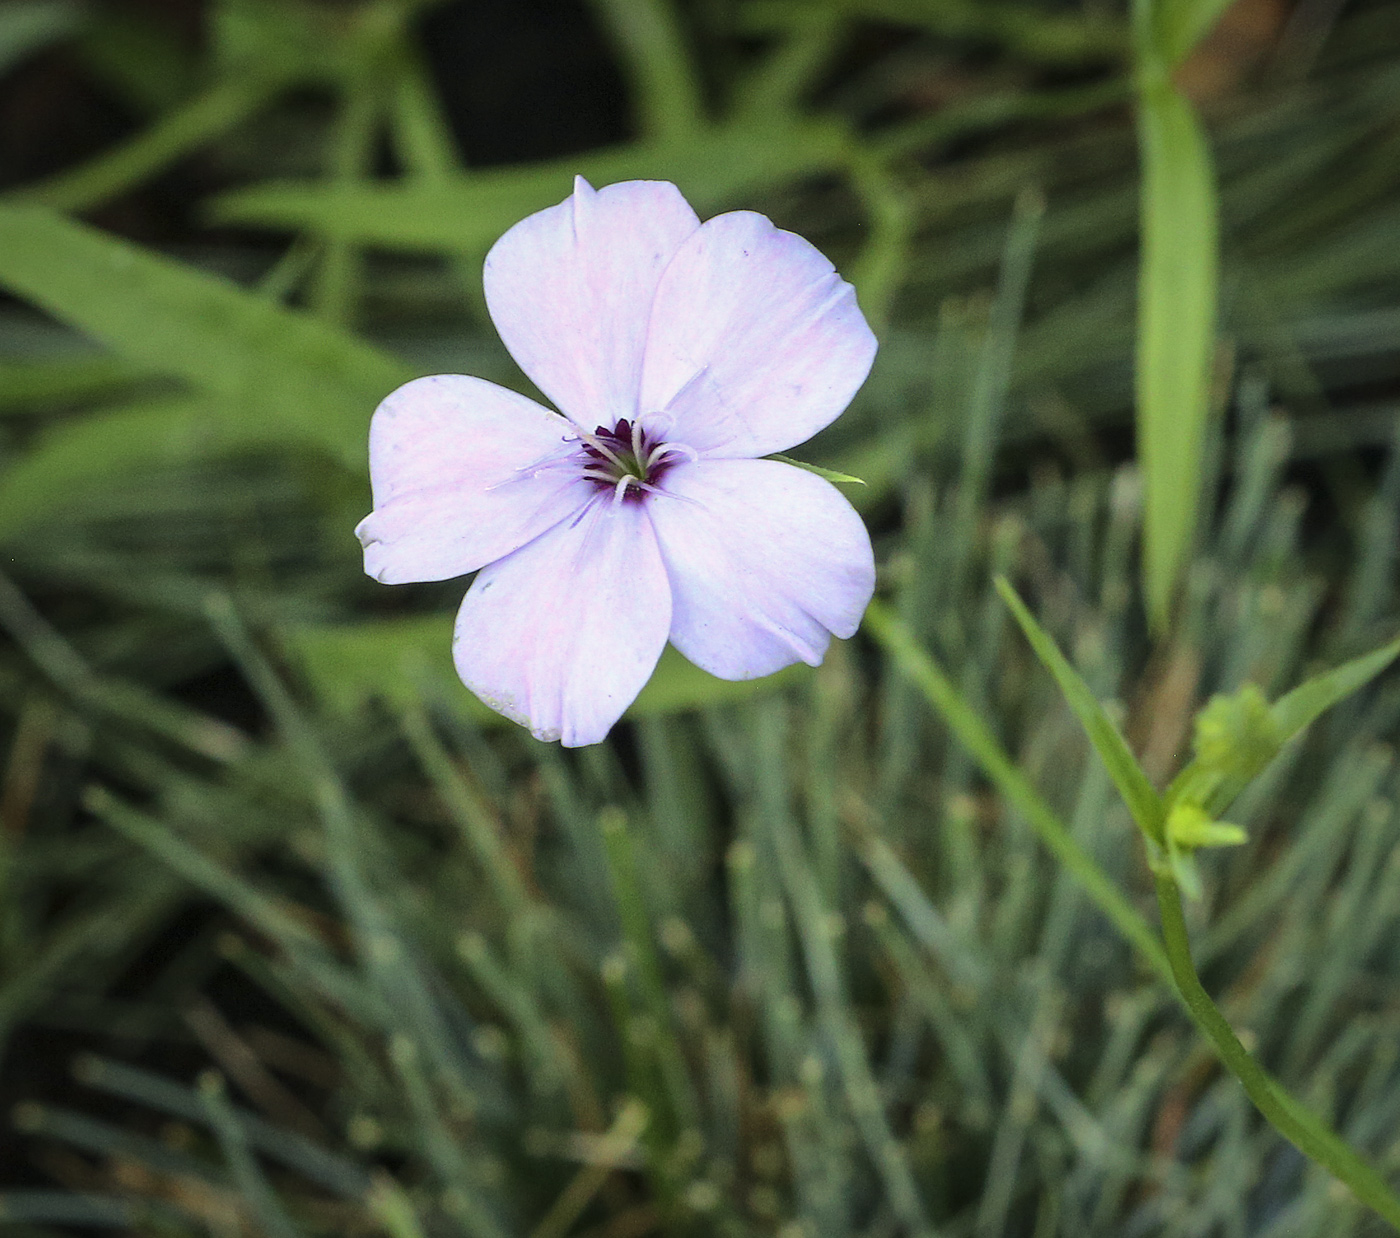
(777, 85)
(193, 124)
(1303, 1129)
(889, 213)
(669, 99)
(972, 732)
(352, 149)
(1287, 1115)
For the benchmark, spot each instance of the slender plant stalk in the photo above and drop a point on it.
(336, 289)
(1302, 1128)
(1308, 1133)
(195, 123)
(670, 102)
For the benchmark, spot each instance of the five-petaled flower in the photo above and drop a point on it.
(680, 353)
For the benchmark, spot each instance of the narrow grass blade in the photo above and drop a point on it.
(639, 944)
(1299, 708)
(1052, 37)
(991, 380)
(286, 1147)
(1176, 333)
(66, 1208)
(1113, 750)
(111, 1143)
(299, 380)
(253, 1186)
(913, 660)
(224, 105)
(393, 1208)
(464, 214)
(839, 1023)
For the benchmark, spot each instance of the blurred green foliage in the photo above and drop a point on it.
(343, 955)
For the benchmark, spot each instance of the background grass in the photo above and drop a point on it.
(295, 938)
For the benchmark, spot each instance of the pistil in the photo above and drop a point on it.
(626, 460)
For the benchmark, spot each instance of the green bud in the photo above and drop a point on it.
(1236, 736)
(1189, 826)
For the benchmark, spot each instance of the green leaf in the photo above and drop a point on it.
(830, 475)
(392, 660)
(1182, 866)
(1190, 826)
(1176, 333)
(169, 431)
(349, 665)
(142, 61)
(193, 123)
(1137, 792)
(34, 385)
(286, 37)
(464, 214)
(666, 84)
(1297, 709)
(1238, 736)
(278, 376)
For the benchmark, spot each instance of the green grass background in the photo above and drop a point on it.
(319, 946)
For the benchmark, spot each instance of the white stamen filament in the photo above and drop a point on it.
(615, 468)
(602, 448)
(598, 475)
(662, 450)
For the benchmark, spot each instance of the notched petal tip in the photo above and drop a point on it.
(451, 461)
(376, 561)
(381, 565)
(570, 290)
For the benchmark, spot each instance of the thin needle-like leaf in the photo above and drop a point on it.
(1137, 792)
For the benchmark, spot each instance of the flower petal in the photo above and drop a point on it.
(755, 342)
(766, 562)
(570, 290)
(451, 462)
(563, 634)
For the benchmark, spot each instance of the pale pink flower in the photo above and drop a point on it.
(680, 354)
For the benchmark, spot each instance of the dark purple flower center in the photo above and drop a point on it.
(627, 460)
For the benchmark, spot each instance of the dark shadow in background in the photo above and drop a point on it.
(524, 79)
